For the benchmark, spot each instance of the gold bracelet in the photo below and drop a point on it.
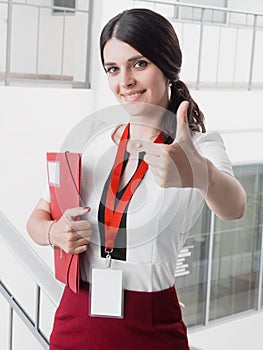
(48, 233)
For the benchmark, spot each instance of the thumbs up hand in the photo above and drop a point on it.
(178, 164)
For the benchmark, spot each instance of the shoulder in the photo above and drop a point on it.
(210, 139)
(209, 136)
(211, 145)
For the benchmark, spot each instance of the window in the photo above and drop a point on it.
(191, 286)
(236, 257)
(236, 253)
(195, 14)
(70, 4)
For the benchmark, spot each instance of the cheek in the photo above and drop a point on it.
(112, 85)
(161, 86)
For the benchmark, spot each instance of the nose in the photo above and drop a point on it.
(126, 79)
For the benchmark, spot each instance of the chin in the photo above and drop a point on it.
(137, 109)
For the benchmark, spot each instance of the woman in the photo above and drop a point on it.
(144, 188)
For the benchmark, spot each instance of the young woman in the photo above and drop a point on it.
(143, 182)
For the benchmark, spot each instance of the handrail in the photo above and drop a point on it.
(249, 21)
(61, 78)
(26, 256)
(53, 7)
(31, 325)
(207, 7)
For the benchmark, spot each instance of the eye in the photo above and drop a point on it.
(111, 70)
(141, 64)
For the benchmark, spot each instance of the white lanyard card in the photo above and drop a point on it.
(106, 293)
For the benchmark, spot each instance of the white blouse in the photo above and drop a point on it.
(158, 219)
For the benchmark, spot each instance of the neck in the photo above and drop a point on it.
(143, 129)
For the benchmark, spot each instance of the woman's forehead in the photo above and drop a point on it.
(116, 50)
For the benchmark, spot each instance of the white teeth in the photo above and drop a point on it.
(133, 95)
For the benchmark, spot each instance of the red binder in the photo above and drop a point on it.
(64, 170)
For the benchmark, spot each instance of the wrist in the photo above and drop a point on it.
(49, 233)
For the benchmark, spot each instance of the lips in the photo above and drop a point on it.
(132, 96)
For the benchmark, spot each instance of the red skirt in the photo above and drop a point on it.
(152, 320)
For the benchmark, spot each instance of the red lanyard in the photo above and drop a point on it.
(112, 217)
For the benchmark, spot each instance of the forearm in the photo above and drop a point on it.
(38, 226)
(224, 195)
(68, 234)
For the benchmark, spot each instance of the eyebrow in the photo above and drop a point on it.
(134, 58)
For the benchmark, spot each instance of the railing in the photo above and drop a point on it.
(205, 17)
(39, 272)
(228, 57)
(41, 74)
(33, 326)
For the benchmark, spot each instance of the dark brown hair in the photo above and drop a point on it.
(154, 37)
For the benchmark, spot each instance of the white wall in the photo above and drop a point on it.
(3, 22)
(244, 5)
(33, 121)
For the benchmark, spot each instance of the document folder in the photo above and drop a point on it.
(64, 171)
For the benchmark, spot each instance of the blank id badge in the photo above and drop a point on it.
(106, 293)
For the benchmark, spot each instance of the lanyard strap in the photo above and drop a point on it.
(112, 217)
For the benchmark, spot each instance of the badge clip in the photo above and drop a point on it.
(108, 258)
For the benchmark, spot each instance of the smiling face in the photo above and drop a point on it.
(132, 77)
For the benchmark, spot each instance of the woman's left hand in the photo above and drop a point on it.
(181, 165)
(178, 164)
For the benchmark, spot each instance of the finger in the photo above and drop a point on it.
(153, 149)
(77, 234)
(152, 160)
(74, 239)
(72, 213)
(83, 241)
(182, 127)
(80, 249)
(81, 225)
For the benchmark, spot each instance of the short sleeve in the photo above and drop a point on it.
(211, 146)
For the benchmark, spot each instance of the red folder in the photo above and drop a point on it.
(64, 170)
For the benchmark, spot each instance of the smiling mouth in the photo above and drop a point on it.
(133, 96)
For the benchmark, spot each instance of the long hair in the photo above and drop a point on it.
(154, 37)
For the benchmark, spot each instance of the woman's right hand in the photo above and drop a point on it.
(71, 235)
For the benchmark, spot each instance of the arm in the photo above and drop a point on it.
(70, 235)
(39, 222)
(224, 196)
(181, 165)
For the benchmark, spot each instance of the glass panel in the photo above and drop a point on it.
(191, 276)
(64, 3)
(236, 251)
(194, 14)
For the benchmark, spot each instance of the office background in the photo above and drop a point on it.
(51, 79)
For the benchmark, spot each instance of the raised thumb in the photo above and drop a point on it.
(182, 128)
